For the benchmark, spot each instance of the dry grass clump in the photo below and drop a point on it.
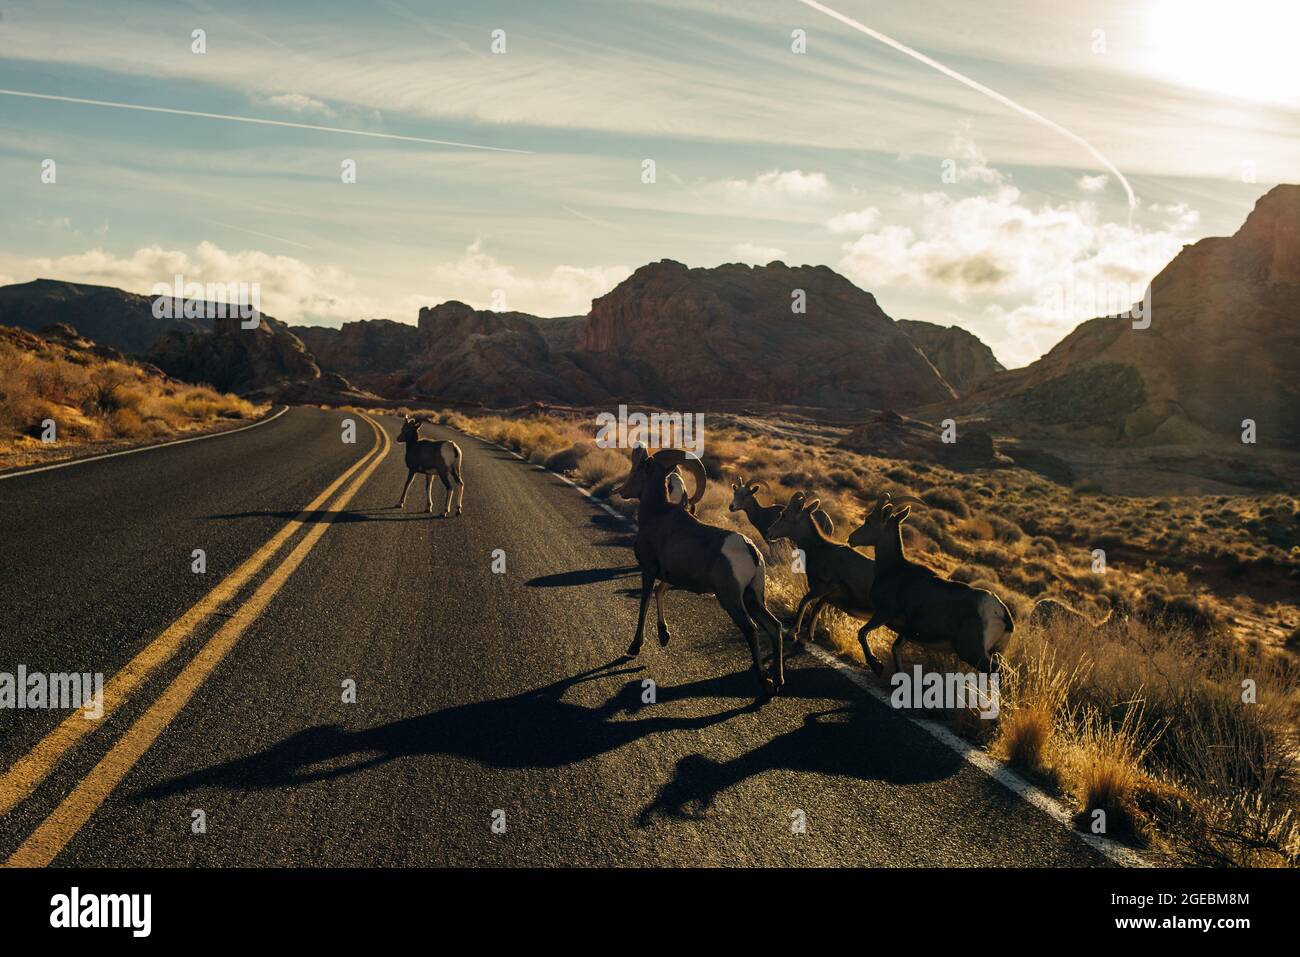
(1186, 743)
(93, 399)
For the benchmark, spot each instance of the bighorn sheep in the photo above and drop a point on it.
(919, 605)
(675, 548)
(427, 456)
(744, 498)
(837, 575)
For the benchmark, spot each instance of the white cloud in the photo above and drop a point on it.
(298, 292)
(477, 276)
(1093, 184)
(793, 183)
(997, 254)
(298, 103)
(1180, 213)
(758, 255)
(969, 162)
(854, 222)
(290, 289)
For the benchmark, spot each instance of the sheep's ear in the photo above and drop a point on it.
(812, 506)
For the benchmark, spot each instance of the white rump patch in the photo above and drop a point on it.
(448, 455)
(995, 622)
(737, 549)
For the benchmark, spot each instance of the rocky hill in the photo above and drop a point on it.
(963, 360)
(1223, 346)
(103, 314)
(268, 362)
(731, 333)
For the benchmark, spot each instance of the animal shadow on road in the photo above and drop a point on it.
(585, 576)
(856, 740)
(538, 729)
(534, 729)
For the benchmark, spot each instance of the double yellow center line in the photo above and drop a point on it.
(23, 777)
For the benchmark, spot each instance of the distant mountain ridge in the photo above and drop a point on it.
(668, 334)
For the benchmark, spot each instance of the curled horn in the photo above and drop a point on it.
(760, 485)
(671, 458)
(907, 500)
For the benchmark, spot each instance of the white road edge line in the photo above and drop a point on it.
(975, 756)
(143, 448)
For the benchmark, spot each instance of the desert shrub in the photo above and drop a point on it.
(602, 467)
(948, 499)
(1005, 530)
(980, 529)
(971, 573)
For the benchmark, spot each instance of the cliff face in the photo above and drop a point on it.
(1223, 345)
(960, 356)
(261, 362)
(730, 333)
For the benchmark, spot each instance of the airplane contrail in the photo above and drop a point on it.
(980, 88)
(254, 232)
(259, 121)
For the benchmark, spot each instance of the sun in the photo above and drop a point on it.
(1240, 48)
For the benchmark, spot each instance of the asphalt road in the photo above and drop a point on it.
(479, 696)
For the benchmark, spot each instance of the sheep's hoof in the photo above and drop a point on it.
(777, 682)
(634, 649)
(457, 509)
(877, 667)
(444, 514)
(665, 636)
(769, 689)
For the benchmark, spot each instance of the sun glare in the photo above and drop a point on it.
(1242, 48)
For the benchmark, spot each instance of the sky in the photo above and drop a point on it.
(505, 147)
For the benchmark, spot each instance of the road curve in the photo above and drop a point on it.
(479, 696)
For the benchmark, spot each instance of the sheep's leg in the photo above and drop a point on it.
(876, 621)
(800, 611)
(428, 491)
(446, 506)
(410, 477)
(734, 605)
(813, 617)
(772, 625)
(898, 659)
(647, 586)
(970, 646)
(664, 634)
(460, 486)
